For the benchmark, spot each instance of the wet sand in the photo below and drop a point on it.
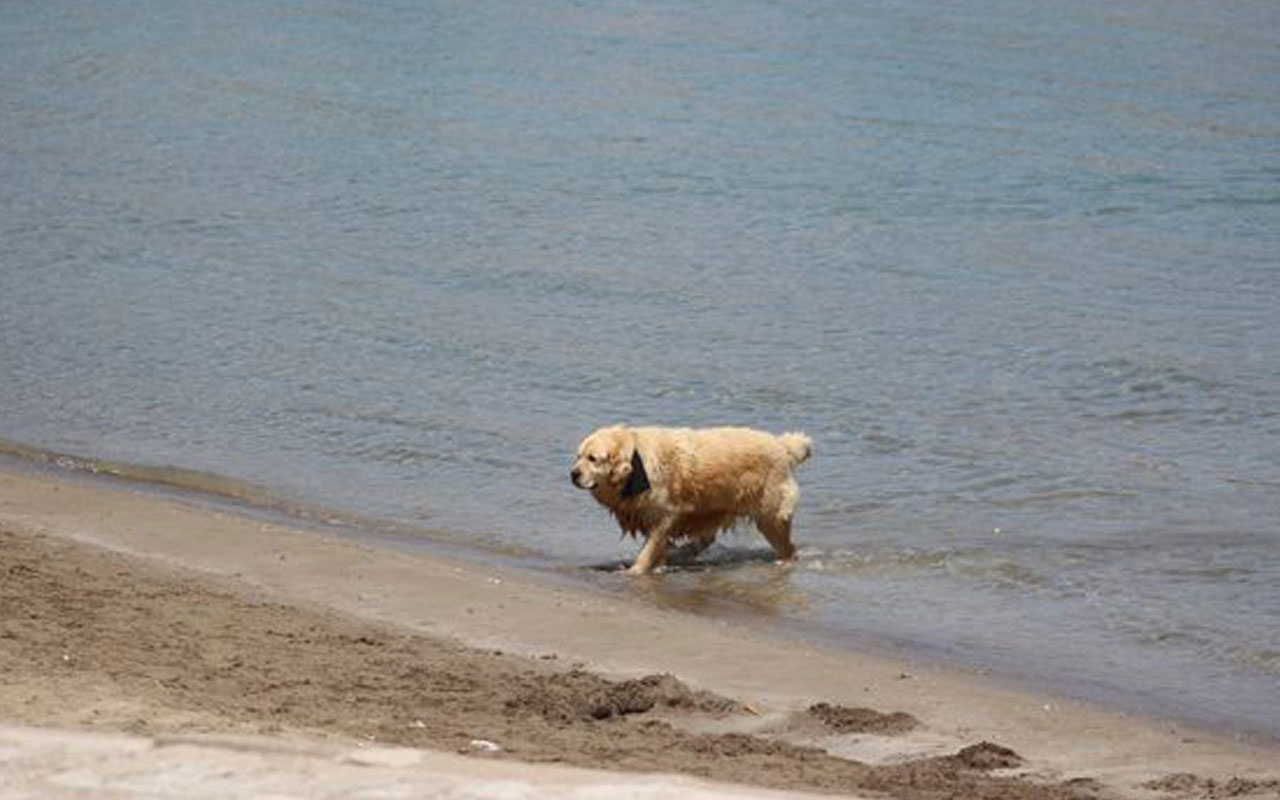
(126, 612)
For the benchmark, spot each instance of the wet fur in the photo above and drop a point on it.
(700, 482)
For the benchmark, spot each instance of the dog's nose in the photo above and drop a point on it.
(574, 474)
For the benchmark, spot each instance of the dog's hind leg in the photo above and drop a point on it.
(778, 531)
(697, 544)
(775, 520)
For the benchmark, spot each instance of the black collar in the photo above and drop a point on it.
(638, 480)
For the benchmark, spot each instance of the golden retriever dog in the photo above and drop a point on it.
(677, 484)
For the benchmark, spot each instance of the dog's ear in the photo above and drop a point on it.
(630, 471)
(624, 456)
(638, 479)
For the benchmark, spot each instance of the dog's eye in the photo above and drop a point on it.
(591, 458)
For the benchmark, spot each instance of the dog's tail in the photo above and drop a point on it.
(799, 446)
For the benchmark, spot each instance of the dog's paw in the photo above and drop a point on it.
(638, 569)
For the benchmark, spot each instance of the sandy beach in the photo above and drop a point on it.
(169, 633)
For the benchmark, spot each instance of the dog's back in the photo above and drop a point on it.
(719, 456)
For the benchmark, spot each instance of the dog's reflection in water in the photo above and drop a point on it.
(724, 581)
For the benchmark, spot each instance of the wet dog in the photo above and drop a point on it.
(678, 484)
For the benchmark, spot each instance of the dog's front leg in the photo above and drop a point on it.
(654, 552)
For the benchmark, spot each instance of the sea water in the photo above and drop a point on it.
(1014, 266)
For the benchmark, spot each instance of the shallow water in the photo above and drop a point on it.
(1013, 267)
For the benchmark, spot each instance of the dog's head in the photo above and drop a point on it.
(608, 463)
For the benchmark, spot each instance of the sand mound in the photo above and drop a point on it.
(862, 720)
(581, 696)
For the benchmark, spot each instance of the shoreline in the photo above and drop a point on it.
(494, 608)
(215, 492)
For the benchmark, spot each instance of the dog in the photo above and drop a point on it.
(679, 484)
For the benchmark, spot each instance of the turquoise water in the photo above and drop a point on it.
(1014, 267)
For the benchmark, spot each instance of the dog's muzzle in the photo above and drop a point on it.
(575, 475)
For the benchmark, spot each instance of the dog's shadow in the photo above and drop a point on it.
(732, 582)
(686, 558)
